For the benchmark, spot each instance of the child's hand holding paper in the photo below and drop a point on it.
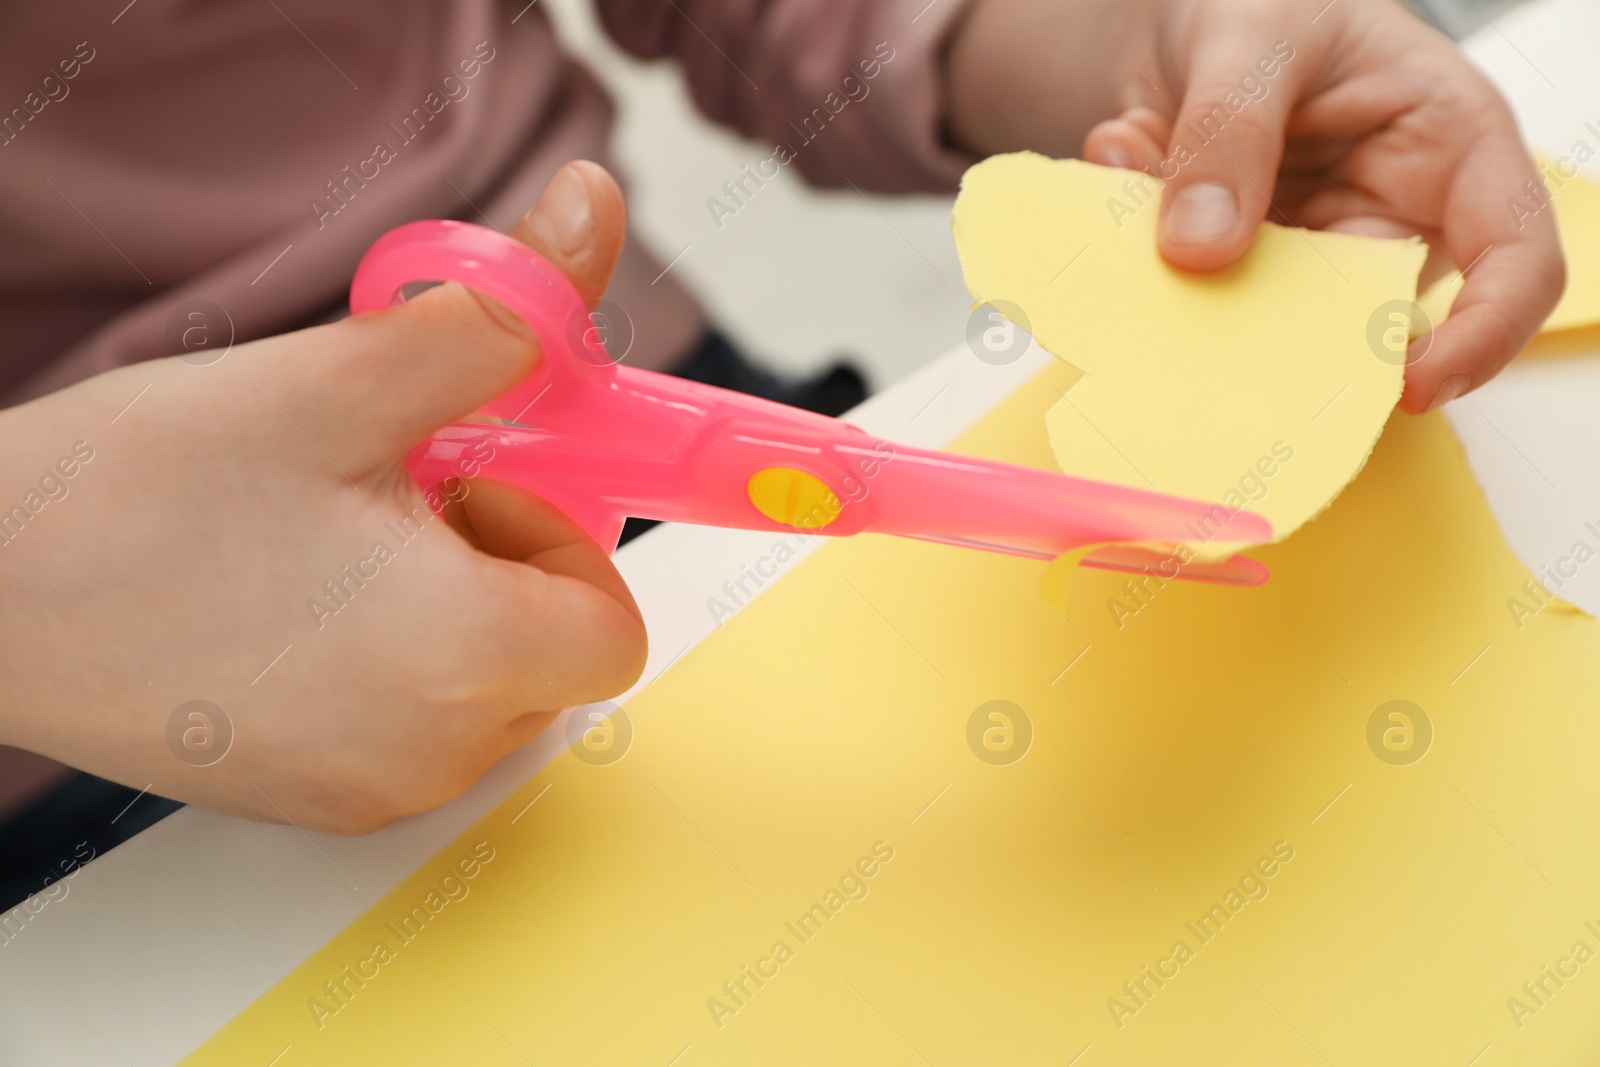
(1351, 116)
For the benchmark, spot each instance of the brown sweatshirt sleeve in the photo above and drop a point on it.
(848, 90)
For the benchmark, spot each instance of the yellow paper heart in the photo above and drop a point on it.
(1262, 386)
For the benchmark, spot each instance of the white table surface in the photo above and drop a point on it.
(159, 943)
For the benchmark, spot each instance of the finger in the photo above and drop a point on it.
(514, 524)
(1226, 146)
(578, 643)
(1131, 141)
(378, 382)
(555, 595)
(583, 233)
(1514, 275)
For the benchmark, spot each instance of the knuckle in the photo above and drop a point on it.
(452, 307)
(498, 318)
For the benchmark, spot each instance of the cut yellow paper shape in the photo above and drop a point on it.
(1576, 200)
(1261, 386)
(1368, 883)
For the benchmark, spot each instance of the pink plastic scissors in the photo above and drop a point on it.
(601, 441)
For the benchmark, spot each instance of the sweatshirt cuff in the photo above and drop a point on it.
(912, 116)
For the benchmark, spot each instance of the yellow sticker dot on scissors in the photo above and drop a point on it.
(793, 497)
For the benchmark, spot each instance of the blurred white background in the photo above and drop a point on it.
(797, 275)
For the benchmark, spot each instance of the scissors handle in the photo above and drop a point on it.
(599, 441)
(572, 357)
(572, 378)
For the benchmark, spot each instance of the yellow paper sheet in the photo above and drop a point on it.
(1576, 202)
(1262, 386)
(1165, 763)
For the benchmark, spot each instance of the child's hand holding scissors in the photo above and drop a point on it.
(188, 556)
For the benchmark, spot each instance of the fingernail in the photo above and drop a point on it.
(1449, 389)
(1201, 213)
(563, 217)
(1116, 157)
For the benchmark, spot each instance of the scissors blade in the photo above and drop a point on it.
(1000, 507)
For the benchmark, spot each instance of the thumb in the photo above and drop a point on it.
(398, 374)
(579, 224)
(1225, 148)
